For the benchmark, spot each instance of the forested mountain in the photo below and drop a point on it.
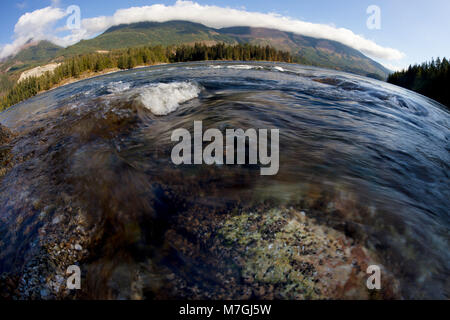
(149, 33)
(311, 51)
(32, 54)
(307, 50)
(432, 79)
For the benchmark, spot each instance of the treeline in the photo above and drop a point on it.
(221, 51)
(129, 58)
(432, 79)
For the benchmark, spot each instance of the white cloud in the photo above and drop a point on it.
(219, 17)
(37, 21)
(36, 25)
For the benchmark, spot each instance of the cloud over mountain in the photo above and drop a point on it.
(37, 24)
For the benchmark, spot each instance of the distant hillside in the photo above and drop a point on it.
(43, 50)
(309, 51)
(150, 33)
(31, 55)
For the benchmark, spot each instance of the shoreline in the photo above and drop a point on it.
(91, 75)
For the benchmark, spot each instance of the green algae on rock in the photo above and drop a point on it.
(304, 260)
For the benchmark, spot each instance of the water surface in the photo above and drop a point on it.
(361, 155)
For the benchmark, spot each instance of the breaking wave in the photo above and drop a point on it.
(279, 69)
(164, 98)
(238, 67)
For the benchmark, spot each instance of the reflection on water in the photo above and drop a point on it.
(92, 166)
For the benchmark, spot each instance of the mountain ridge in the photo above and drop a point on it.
(33, 52)
(310, 51)
(306, 50)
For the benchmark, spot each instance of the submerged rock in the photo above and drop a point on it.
(274, 253)
(282, 249)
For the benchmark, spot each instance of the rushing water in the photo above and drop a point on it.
(357, 152)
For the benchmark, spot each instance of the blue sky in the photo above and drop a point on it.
(418, 29)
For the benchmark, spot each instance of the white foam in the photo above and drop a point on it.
(164, 98)
(118, 87)
(243, 67)
(279, 69)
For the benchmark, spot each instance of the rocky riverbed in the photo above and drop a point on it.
(261, 251)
